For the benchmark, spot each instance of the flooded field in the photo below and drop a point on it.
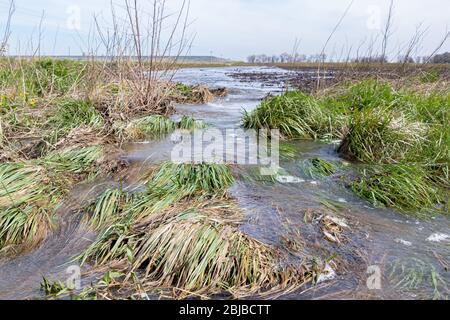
(370, 253)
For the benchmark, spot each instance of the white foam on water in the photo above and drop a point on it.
(289, 179)
(438, 237)
(327, 274)
(404, 242)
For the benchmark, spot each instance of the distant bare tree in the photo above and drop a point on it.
(285, 57)
(251, 59)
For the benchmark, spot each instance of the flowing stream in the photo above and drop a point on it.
(382, 255)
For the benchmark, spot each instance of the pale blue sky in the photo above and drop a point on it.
(238, 28)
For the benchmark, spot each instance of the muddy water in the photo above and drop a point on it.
(411, 257)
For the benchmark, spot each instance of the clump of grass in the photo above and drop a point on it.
(319, 168)
(189, 123)
(203, 178)
(68, 114)
(380, 124)
(73, 161)
(207, 257)
(382, 136)
(174, 182)
(53, 288)
(168, 184)
(155, 125)
(296, 115)
(19, 183)
(26, 225)
(368, 94)
(192, 94)
(71, 113)
(404, 187)
(183, 89)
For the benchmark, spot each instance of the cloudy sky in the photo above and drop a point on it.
(238, 28)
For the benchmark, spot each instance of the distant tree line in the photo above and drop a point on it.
(286, 58)
(441, 58)
(314, 58)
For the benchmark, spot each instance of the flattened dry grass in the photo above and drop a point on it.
(182, 236)
(208, 257)
(30, 193)
(193, 252)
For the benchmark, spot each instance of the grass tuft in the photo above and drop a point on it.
(296, 115)
(150, 126)
(404, 187)
(189, 123)
(382, 136)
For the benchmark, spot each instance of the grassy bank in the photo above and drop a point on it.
(397, 131)
(42, 102)
(58, 120)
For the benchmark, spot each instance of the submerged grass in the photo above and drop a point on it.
(207, 257)
(319, 168)
(413, 274)
(53, 288)
(403, 126)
